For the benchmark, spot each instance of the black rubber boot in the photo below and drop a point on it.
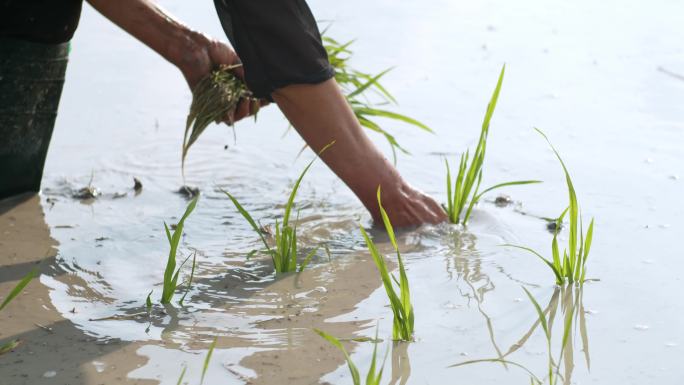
(31, 80)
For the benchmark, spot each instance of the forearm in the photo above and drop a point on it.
(321, 114)
(147, 22)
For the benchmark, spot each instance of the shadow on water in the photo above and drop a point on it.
(53, 350)
(244, 307)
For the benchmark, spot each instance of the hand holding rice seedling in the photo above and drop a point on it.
(571, 266)
(402, 309)
(465, 193)
(214, 98)
(284, 254)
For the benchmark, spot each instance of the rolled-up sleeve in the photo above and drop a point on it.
(278, 42)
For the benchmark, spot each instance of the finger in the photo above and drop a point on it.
(239, 71)
(242, 109)
(222, 53)
(436, 209)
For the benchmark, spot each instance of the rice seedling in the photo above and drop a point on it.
(284, 254)
(13, 344)
(182, 375)
(357, 85)
(18, 288)
(9, 346)
(148, 302)
(205, 366)
(171, 273)
(213, 98)
(571, 265)
(207, 359)
(373, 377)
(402, 309)
(192, 275)
(466, 193)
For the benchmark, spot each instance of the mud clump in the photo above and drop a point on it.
(188, 191)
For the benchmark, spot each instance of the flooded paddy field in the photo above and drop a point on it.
(602, 80)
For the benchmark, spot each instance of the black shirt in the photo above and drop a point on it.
(278, 42)
(40, 21)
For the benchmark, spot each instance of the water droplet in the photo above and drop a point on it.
(674, 177)
(517, 299)
(99, 366)
(641, 327)
(671, 344)
(49, 374)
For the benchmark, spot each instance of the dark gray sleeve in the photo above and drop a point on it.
(278, 42)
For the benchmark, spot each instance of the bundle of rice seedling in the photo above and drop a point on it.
(215, 97)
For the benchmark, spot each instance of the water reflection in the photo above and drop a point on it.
(465, 264)
(401, 365)
(566, 306)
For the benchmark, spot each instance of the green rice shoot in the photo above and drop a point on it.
(192, 275)
(171, 273)
(205, 366)
(18, 288)
(182, 375)
(285, 252)
(9, 346)
(402, 309)
(215, 97)
(373, 377)
(357, 87)
(13, 344)
(570, 266)
(463, 192)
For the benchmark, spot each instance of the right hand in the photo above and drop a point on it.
(406, 206)
(207, 54)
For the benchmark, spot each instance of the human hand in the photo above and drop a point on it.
(407, 206)
(203, 55)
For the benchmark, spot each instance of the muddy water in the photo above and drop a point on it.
(600, 79)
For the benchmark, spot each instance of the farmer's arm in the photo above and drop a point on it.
(321, 114)
(280, 47)
(194, 53)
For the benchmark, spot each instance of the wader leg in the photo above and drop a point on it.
(31, 80)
